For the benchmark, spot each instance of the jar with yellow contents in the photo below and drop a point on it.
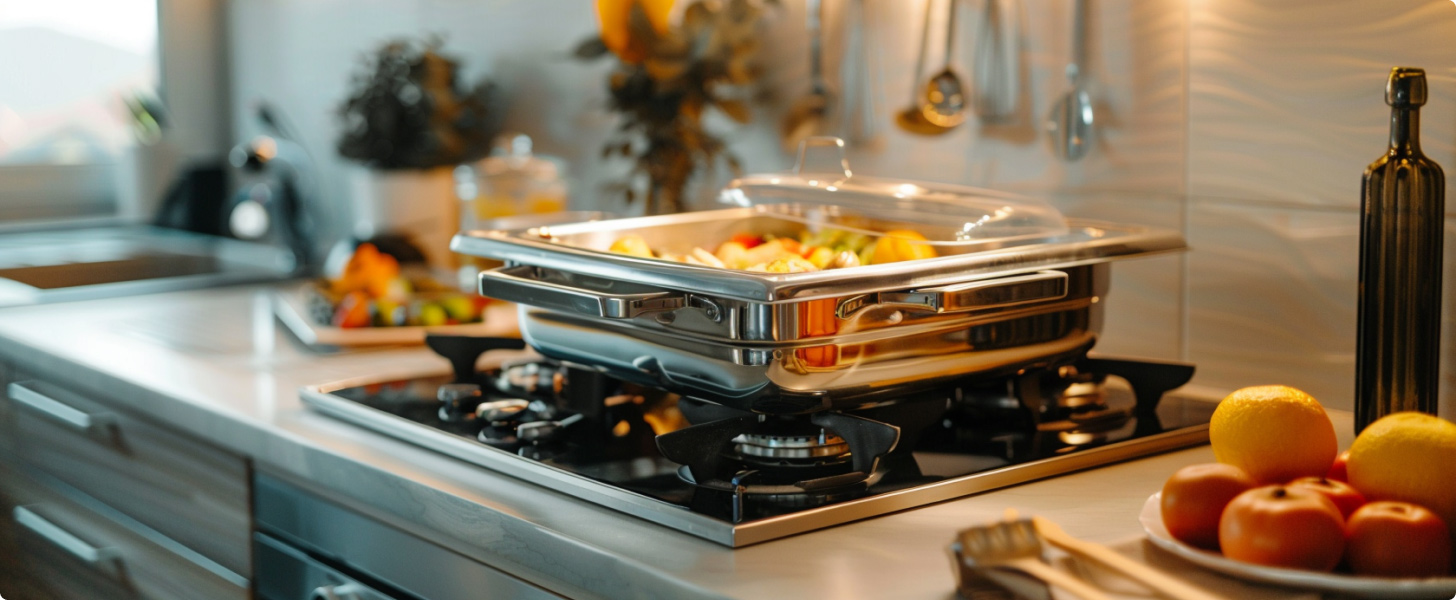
(512, 181)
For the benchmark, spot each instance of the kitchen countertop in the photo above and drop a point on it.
(215, 363)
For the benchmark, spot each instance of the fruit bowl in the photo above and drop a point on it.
(1350, 585)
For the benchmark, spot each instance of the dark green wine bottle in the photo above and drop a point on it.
(1402, 205)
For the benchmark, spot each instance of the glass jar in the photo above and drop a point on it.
(511, 181)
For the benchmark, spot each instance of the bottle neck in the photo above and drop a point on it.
(1405, 130)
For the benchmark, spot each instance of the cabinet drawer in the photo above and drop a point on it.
(82, 554)
(187, 490)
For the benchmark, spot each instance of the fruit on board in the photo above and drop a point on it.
(1345, 496)
(1397, 539)
(1408, 456)
(372, 290)
(901, 244)
(1339, 470)
(1275, 433)
(1194, 498)
(615, 17)
(1282, 526)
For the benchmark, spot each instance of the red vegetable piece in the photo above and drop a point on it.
(747, 239)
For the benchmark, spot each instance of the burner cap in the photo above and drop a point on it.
(771, 445)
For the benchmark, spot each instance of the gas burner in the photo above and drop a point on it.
(785, 448)
(781, 459)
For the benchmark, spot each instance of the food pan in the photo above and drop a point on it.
(1011, 284)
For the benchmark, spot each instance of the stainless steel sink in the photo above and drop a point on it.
(78, 264)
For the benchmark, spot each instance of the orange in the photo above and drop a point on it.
(615, 17)
(1409, 457)
(1275, 433)
(901, 244)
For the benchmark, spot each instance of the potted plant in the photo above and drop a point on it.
(408, 120)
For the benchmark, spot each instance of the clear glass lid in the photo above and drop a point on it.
(822, 187)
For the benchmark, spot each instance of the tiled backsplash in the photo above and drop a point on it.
(1246, 123)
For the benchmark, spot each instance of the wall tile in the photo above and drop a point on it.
(1271, 298)
(1286, 98)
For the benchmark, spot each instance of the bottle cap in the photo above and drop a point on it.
(1407, 87)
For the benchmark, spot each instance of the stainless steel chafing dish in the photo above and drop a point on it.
(1013, 285)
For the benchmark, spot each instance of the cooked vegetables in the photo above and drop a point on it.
(825, 249)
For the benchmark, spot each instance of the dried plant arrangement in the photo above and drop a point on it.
(666, 79)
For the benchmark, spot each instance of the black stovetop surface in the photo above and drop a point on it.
(976, 427)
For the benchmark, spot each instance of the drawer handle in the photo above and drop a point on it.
(106, 559)
(963, 297)
(26, 394)
(344, 591)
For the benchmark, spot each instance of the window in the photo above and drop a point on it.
(76, 89)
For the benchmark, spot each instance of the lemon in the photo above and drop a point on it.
(1408, 456)
(901, 244)
(1274, 433)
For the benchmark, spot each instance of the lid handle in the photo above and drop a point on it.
(822, 155)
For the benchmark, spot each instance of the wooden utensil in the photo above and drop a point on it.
(1152, 578)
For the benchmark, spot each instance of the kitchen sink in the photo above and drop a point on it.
(79, 264)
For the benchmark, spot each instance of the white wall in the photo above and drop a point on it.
(1245, 123)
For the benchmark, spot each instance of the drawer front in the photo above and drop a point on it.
(364, 546)
(82, 554)
(187, 490)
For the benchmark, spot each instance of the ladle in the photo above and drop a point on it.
(1069, 125)
(911, 119)
(943, 103)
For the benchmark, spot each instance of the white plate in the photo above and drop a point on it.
(1350, 585)
(291, 306)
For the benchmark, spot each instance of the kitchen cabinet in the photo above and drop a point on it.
(102, 503)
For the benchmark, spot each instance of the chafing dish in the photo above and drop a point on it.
(1013, 285)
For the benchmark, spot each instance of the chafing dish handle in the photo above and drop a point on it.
(518, 284)
(962, 297)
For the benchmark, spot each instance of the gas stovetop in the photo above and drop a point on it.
(739, 478)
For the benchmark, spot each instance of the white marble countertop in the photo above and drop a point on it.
(214, 362)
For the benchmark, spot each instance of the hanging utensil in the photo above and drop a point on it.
(943, 103)
(996, 67)
(808, 115)
(911, 119)
(1070, 123)
(858, 81)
